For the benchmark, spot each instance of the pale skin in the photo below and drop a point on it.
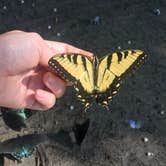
(25, 80)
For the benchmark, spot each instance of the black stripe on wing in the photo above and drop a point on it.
(135, 64)
(60, 70)
(103, 98)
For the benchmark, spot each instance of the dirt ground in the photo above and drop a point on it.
(109, 141)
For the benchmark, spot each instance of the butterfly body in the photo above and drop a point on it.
(94, 79)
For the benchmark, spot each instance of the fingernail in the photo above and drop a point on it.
(46, 99)
(55, 84)
(40, 94)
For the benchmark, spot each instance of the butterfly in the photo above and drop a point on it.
(94, 79)
(24, 146)
(20, 147)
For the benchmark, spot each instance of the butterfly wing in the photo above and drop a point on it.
(75, 68)
(112, 68)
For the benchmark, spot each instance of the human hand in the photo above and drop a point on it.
(25, 81)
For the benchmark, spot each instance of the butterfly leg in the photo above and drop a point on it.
(105, 104)
(107, 107)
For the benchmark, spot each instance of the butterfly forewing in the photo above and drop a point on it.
(111, 69)
(121, 62)
(76, 68)
(105, 77)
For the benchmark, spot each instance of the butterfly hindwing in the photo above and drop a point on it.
(104, 97)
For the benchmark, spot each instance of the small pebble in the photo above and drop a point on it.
(162, 112)
(22, 1)
(25, 132)
(58, 34)
(56, 122)
(33, 4)
(72, 136)
(149, 154)
(129, 42)
(4, 7)
(56, 20)
(49, 27)
(145, 139)
(97, 20)
(55, 10)
(72, 107)
(156, 12)
(119, 47)
(42, 129)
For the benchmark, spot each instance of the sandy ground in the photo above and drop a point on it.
(109, 140)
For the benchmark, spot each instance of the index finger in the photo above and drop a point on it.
(59, 47)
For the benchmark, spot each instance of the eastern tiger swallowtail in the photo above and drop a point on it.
(95, 79)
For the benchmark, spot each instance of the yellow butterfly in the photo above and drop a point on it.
(96, 80)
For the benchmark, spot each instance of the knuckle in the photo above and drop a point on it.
(60, 92)
(35, 37)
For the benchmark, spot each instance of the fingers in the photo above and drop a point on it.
(55, 84)
(44, 100)
(41, 99)
(47, 49)
(51, 48)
